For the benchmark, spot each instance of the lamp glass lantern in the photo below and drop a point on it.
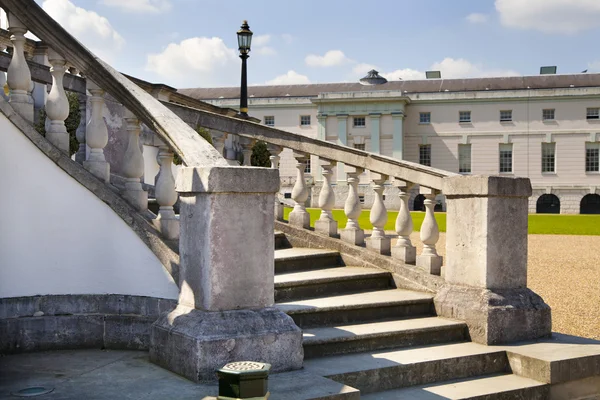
(244, 38)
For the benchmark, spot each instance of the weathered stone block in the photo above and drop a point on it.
(381, 245)
(354, 236)
(127, 332)
(300, 219)
(496, 317)
(408, 254)
(196, 343)
(431, 264)
(328, 228)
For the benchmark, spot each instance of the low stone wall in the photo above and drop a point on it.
(55, 322)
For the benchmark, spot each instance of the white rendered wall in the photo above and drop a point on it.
(56, 237)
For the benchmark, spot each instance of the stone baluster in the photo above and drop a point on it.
(18, 75)
(166, 196)
(326, 224)
(274, 157)
(96, 135)
(299, 216)
(430, 233)
(378, 217)
(80, 133)
(133, 166)
(404, 250)
(352, 208)
(57, 104)
(247, 145)
(218, 139)
(3, 76)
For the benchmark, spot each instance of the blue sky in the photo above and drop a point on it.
(192, 43)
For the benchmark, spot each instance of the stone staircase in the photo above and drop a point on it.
(361, 331)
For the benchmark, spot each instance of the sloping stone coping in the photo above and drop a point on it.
(57, 322)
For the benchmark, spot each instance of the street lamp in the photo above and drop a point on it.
(244, 39)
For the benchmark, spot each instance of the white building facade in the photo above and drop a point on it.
(546, 128)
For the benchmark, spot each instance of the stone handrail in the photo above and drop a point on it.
(193, 150)
(403, 170)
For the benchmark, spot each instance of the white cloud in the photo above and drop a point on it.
(91, 29)
(362, 69)
(259, 45)
(287, 38)
(140, 6)
(266, 51)
(290, 78)
(406, 74)
(550, 16)
(331, 59)
(194, 62)
(461, 68)
(261, 40)
(477, 18)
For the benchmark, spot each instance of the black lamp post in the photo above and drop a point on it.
(244, 39)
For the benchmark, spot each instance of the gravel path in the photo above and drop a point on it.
(565, 271)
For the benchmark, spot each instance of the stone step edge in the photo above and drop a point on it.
(332, 279)
(320, 253)
(393, 303)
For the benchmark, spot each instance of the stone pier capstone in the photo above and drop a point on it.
(486, 261)
(225, 311)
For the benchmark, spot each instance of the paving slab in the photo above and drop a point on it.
(326, 275)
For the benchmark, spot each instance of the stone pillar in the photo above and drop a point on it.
(274, 157)
(80, 133)
(18, 75)
(352, 232)
(326, 224)
(375, 120)
(96, 135)
(166, 196)
(247, 145)
(343, 140)
(486, 261)
(404, 250)
(133, 166)
(429, 259)
(225, 311)
(299, 216)
(378, 217)
(398, 136)
(57, 104)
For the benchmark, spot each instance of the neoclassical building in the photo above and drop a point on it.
(546, 128)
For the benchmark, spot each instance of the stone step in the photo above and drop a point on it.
(360, 307)
(329, 282)
(281, 241)
(320, 342)
(303, 259)
(494, 387)
(392, 369)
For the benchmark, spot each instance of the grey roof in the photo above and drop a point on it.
(417, 86)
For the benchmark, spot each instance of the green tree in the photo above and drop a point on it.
(72, 122)
(260, 155)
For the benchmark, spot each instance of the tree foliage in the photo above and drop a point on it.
(72, 122)
(205, 133)
(260, 155)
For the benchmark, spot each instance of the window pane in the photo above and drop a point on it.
(425, 118)
(592, 157)
(425, 154)
(506, 116)
(464, 116)
(305, 120)
(506, 157)
(548, 157)
(270, 120)
(464, 158)
(359, 121)
(548, 114)
(307, 166)
(359, 146)
(593, 113)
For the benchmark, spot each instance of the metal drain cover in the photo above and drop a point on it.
(32, 391)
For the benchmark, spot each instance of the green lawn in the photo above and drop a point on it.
(541, 224)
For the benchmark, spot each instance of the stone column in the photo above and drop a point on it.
(429, 259)
(133, 166)
(166, 196)
(18, 75)
(96, 135)
(486, 261)
(225, 311)
(375, 120)
(57, 104)
(378, 217)
(299, 216)
(274, 157)
(247, 145)
(404, 250)
(80, 133)
(326, 224)
(343, 140)
(352, 232)
(398, 136)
